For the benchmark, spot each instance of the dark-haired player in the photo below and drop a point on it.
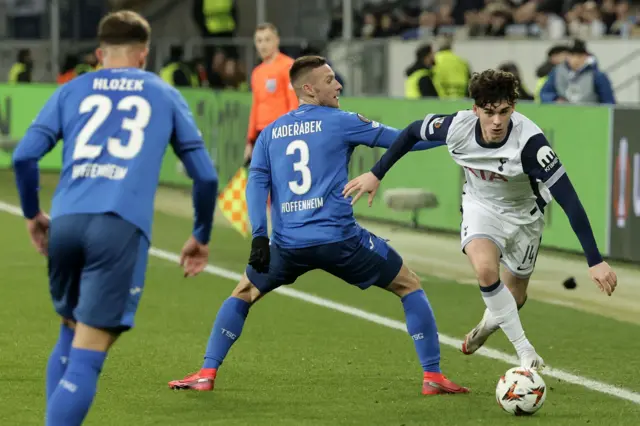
(116, 124)
(302, 159)
(510, 170)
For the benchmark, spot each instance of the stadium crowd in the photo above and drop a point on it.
(551, 19)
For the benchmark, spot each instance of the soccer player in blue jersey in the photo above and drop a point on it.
(115, 124)
(302, 159)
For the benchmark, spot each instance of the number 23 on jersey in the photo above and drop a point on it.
(102, 106)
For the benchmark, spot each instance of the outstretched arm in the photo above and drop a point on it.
(433, 128)
(360, 130)
(540, 162)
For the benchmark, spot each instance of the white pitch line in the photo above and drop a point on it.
(391, 323)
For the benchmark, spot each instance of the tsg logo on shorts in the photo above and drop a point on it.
(547, 158)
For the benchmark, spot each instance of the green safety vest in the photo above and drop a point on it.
(83, 69)
(450, 75)
(412, 83)
(539, 84)
(15, 71)
(166, 74)
(217, 16)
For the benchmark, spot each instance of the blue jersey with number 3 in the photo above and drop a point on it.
(305, 155)
(116, 125)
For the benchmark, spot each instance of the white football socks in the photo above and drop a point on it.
(501, 306)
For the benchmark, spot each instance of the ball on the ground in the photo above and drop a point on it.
(570, 283)
(521, 391)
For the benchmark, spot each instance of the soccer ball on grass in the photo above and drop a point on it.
(521, 391)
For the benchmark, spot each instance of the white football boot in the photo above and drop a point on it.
(476, 338)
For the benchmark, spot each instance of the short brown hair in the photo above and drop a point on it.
(491, 87)
(303, 65)
(267, 26)
(124, 27)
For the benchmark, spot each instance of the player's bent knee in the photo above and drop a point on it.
(246, 291)
(484, 256)
(91, 338)
(487, 276)
(405, 282)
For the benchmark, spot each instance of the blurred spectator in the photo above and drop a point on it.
(498, 21)
(578, 80)
(593, 19)
(217, 70)
(453, 12)
(585, 21)
(216, 19)
(233, 76)
(386, 28)
(68, 69)
(451, 73)
(370, 26)
(89, 63)
(623, 22)
(551, 26)
(176, 71)
(556, 55)
(446, 22)
(511, 67)
(199, 68)
(21, 71)
(608, 12)
(418, 83)
(428, 22)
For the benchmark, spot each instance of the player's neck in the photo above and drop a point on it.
(303, 101)
(271, 58)
(119, 63)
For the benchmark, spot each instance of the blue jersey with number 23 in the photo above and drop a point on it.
(116, 125)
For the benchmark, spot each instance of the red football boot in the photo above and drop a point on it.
(202, 381)
(436, 383)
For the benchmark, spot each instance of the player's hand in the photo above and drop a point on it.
(367, 182)
(38, 228)
(260, 254)
(604, 277)
(194, 257)
(248, 150)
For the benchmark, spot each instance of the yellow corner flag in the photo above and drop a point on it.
(233, 202)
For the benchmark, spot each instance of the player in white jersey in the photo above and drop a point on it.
(511, 173)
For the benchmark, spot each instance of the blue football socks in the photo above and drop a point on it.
(59, 358)
(422, 328)
(72, 398)
(226, 331)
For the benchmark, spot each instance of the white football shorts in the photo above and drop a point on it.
(518, 244)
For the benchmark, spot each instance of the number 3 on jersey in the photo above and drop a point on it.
(301, 166)
(103, 107)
